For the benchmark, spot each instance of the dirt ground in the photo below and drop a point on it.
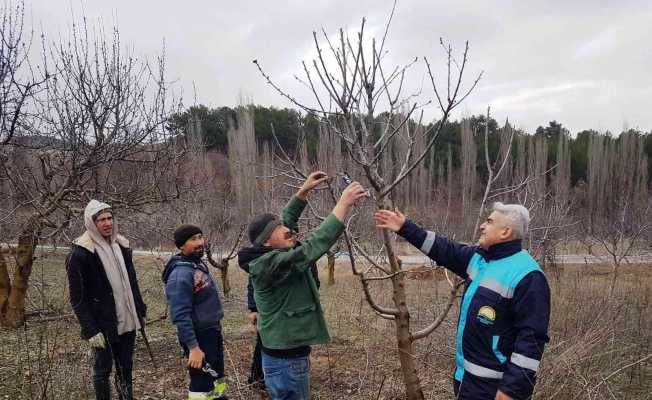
(47, 358)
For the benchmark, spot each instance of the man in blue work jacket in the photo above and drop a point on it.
(505, 309)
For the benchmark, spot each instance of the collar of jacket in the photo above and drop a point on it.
(192, 258)
(249, 254)
(187, 261)
(86, 242)
(501, 250)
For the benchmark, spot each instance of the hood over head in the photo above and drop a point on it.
(249, 254)
(179, 260)
(92, 234)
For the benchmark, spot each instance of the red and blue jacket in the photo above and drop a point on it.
(193, 297)
(504, 314)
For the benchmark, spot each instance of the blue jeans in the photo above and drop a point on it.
(287, 379)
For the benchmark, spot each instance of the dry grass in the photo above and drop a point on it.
(592, 336)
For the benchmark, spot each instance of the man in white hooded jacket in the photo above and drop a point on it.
(105, 297)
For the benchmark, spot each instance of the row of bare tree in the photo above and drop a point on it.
(88, 120)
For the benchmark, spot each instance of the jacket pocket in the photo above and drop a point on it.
(300, 366)
(299, 312)
(488, 310)
(209, 310)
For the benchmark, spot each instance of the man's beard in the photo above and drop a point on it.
(198, 252)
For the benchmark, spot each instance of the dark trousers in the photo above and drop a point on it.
(475, 388)
(256, 375)
(211, 343)
(122, 352)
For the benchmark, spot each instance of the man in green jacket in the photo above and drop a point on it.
(290, 317)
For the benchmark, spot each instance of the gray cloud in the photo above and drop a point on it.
(580, 62)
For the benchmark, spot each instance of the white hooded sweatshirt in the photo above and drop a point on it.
(114, 265)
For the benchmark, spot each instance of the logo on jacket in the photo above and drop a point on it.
(200, 281)
(487, 315)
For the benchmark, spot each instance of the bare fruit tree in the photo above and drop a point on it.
(96, 129)
(19, 82)
(221, 259)
(359, 84)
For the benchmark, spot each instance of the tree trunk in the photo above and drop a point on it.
(5, 287)
(330, 257)
(223, 266)
(15, 308)
(224, 270)
(614, 278)
(405, 348)
(402, 323)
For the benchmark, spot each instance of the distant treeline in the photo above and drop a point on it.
(290, 126)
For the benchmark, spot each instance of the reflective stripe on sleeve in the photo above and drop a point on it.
(524, 362)
(427, 244)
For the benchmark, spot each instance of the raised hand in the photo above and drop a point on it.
(352, 193)
(349, 196)
(391, 220)
(312, 181)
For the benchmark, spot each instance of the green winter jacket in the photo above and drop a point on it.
(289, 311)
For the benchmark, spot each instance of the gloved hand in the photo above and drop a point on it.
(97, 341)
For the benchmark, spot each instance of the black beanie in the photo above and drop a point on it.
(257, 227)
(185, 232)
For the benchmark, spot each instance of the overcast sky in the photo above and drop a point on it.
(586, 64)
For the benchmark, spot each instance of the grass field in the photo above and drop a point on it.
(596, 340)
